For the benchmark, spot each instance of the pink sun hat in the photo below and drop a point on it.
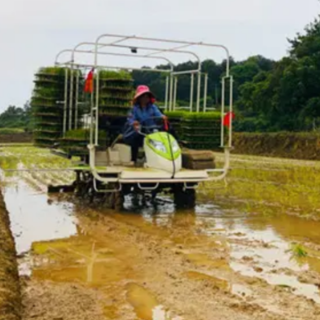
(141, 90)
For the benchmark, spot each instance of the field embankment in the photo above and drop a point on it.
(9, 135)
(10, 300)
(293, 145)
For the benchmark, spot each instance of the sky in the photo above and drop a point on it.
(32, 32)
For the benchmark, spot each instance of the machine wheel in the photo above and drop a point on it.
(117, 201)
(185, 198)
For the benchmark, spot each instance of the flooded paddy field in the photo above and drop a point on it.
(249, 250)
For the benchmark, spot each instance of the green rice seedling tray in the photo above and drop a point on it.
(48, 114)
(110, 102)
(201, 116)
(201, 145)
(45, 123)
(114, 113)
(117, 89)
(45, 105)
(48, 92)
(45, 136)
(115, 96)
(174, 114)
(115, 75)
(53, 71)
(46, 130)
(46, 139)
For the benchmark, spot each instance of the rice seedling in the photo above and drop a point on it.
(298, 251)
(278, 186)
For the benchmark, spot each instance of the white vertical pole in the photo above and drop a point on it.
(222, 110)
(77, 100)
(97, 108)
(205, 93)
(171, 92)
(71, 96)
(91, 116)
(231, 110)
(198, 93)
(65, 104)
(167, 93)
(175, 93)
(191, 91)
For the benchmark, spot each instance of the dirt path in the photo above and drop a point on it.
(217, 262)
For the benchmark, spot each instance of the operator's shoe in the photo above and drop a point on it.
(140, 162)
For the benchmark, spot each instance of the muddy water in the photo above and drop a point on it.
(154, 264)
(35, 218)
(259, 247)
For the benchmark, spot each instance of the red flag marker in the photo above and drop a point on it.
(88, 87)
(227, 119)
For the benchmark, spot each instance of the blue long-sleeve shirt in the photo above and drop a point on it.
(144, 115)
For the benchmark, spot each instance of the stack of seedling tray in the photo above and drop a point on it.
(175, 120)
(75, 142)
(47, 111)
(201, 131)
(48, 105)
(116, 92)
(115, 101)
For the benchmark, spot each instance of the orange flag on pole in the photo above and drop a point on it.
(88, 87)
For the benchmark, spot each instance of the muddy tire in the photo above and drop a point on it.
(185, 198)
(117, 201)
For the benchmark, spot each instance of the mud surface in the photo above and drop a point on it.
(10, 300)
(235, 256)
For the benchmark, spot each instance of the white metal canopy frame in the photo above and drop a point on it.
(121, 46)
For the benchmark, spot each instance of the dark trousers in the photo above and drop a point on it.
(136, 143)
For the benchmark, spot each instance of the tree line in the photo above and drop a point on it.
(17, 117)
